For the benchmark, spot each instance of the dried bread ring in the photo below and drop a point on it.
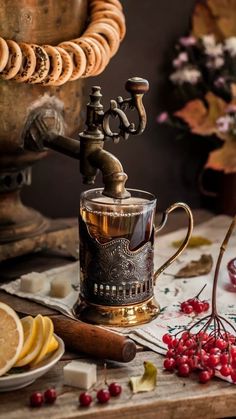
(79, 58)
(115, 3)
(87, 44)
(28, 63)
(67, 67)
(110, 22)
(55, 65)
(4, 54)
(90, 55)
(108, 32)
(116, 16)
(103, 42)
(100, 6)
(103, 58)
(42, 65)
(14, 61)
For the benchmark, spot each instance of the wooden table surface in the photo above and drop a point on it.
(173, 397)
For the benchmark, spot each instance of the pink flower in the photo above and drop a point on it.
(187, 41)
(162, 118)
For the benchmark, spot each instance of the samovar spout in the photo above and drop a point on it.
(46, 126)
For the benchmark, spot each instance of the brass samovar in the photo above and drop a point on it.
(36, 25)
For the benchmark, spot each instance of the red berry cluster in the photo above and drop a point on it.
(201, 352)
(38, 398)
(103, 395)
(194, 305)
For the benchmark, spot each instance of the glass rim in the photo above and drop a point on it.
(123, 202)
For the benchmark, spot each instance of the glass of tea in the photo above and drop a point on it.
(116, 257)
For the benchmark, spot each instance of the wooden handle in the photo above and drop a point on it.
(92, 340)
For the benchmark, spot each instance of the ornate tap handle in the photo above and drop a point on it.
(136, 86)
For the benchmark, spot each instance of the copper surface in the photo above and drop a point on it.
(39, 21)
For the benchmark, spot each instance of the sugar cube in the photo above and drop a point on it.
(60, 287)
(80, 374)
(32, 282)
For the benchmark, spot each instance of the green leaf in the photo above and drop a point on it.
(145, 382)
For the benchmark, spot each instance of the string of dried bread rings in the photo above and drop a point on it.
(82, 57)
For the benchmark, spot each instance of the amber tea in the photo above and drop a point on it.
(107, 219)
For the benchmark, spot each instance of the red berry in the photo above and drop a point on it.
(85, 399)
(213, 360)
(175, 343)
(221, 344)
(50, 395)
(115, 389)
(190, 343)
(36, 399)
(169, 364)
(188, 309)
(181, 359)
(233, 375)
(185, 335)
(167, 338)
(191, 301)
(204, 376)
(214, 351)
(170, 353)
(224, 359)
(225, 370)
(206, 305)
(198, 307)
(233, 351)
(103, 395)
(183, 370)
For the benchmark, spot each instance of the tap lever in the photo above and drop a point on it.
(136, 86)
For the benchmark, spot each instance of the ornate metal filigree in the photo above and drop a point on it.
(112, 274)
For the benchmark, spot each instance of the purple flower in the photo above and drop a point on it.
(180, 60)
(220, 82)
(187, 41)
(162, 118)
(223, 123)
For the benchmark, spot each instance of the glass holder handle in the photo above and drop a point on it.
(183, 245)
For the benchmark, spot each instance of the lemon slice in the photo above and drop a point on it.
(29, 328)
(37, 343)
(11, 337)
(48, 334)
(53, 345)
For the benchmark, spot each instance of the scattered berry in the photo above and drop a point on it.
(85, 399)
(50, 395)
(115, 389)
(103, 395)
(36, 399)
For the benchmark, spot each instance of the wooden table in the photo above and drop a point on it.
(173, 397)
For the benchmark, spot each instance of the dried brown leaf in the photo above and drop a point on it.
(223, 159)
(204, 23)
(224, 14)
(196, 267)
(202, 119)
(195, 241)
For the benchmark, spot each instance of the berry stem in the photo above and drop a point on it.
(201, 291)
(222, 250)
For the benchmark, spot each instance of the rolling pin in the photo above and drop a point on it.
(93, 340)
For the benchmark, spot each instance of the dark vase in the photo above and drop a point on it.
(227, 194)
(218, 191)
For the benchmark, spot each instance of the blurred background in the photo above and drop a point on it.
(158, 161)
